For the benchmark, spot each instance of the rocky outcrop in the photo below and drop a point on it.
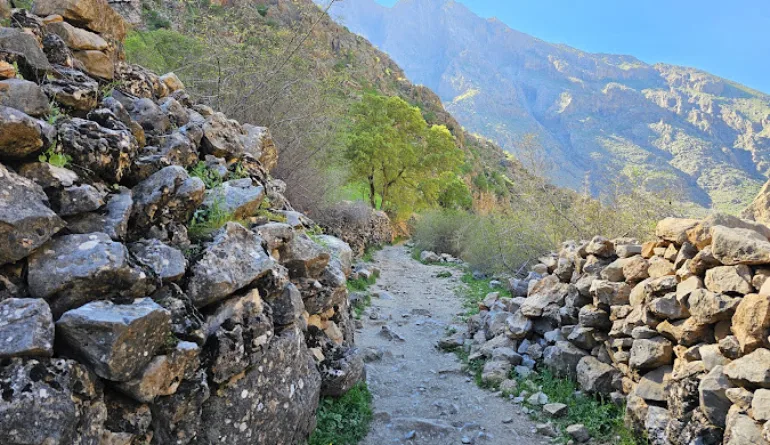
(687, 346)
(118, 324)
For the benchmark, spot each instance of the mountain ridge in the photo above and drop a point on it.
(599, 117)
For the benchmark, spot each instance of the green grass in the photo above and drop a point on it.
(361, 284)
(209, 219)
(476, 291)
(344, 420)
(360, 306)
(368, 256)
(602, 418)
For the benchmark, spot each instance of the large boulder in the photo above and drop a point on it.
(739, 246)
(26, 221)
(116, 341)
(49, 401)
(675, 229)
(96, 15)
(752, 370)
(26, 327)
(232, 261)
(274, 403)
(751, 322)
(21, 136)
(107, 153)
(74, 269)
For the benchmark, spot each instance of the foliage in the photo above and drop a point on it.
(404, 161)
(602, 418)
(209, 219)
(475, 290)
(54, 113)
(361, 284)
(54, 157)
(345, 420)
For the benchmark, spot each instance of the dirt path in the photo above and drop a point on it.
(421, 396)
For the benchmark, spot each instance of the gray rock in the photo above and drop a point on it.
(50, 401)
(548, 291)
(655, 425)
(77, 199)
(668, 307)
(519, 326)
(338, 376)
(107, 153)
(495, 372)
(652, 386)
(287, 305)
(739, 246)
(276, 235)
(340, 251)
(238, 197)
(607, 294)
(707, 307)
(287, 378)
(32, 61)
(26, 222)
(742, 429)
(169, 196)
(48, 176)
(304, 258)
(116, 341)
(26, 327)
(761, 405)
(72, 89)
(651, 353)
(150, 116)
(22, 136)
(595, 377)
(24, 96)
(555, 409)
(713, 398)
(729, 279)
(752, 370)
(165, 262)
(259, 144)
(177, 418)
(232, 261)
(593, 317)
(111, 219)
(563, 358)
(74, 269)
(578, 432)
(223, 137)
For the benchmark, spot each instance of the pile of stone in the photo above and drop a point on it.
(428, 257)
(676, 328)
(117, 324)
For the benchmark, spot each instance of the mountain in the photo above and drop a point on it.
(599, 117)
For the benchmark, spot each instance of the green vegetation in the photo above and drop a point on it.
(476, 290)
(54, 157)
(344, 420)
(408, 164)
(209, 219)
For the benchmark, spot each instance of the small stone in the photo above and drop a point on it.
(579, 433)
(555, 409)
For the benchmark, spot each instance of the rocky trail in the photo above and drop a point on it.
(421, 394)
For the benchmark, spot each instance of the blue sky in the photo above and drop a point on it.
(727, 38)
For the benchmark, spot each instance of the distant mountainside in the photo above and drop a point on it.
(596, 115)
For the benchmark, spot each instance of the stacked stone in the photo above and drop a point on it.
(116, 326)
(677, 328)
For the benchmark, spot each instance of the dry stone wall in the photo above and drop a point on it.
(676, 328)
(118, 325)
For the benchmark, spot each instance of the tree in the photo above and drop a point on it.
(403, 161)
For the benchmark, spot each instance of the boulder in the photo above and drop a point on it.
(223, 137)
(172, 82)
(258, 142)
(495, 372)
(116, 341)
(107, 153)
(659, 267)
(150, 116)
(668, 307)
(655, 425)
(707, 307)
(760, 405)
(607, 294)
(72, 89)
(712, 396)
(600, 247)
(238, 197)
(739, 246)
(304, 257)
(340, 251)
(741, 429)
(50, 401)
(595, 377)
(24, 96)
(48, 176)
(26, 221)
(21, 136)
(74, 269)
(751, 322)
(729, 279)
(177, 418)
(165, 262)
(635, 269)
(548, 291)
(32, 62)
(169, 196)
(163, 375)
(77, 199)
(519, 326)
(274, 403)
(340, 375)
(651, 353)
(275, 235)
(77, 38)
(26, 327)
(111, 219)
(700, 235)
(232, 261)
(287, 305)
(675, 229)
(752, 370)
(652, 386)
(96, 15)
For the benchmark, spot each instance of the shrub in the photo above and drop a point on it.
(443, 231)
(344, 420)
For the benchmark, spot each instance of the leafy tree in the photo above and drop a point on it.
(405, 162)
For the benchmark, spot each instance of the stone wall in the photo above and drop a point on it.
(118, 325)
(676, 328)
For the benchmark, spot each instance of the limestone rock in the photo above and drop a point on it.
(258, 142)
(21, 135)
(712, 395)
(162, 376)
(107, 153)
(651, 353)
(74, 269)
(116, 341)
(77, 38)
(304, 258)
(48, 176)
(594, 376)
(24, 96)
(233, 260)
(168, 196)
(741, 429)
(177, 418)
(72, 88)
(729, 279)
(165, 262)
(77, 199)
(32, 62)
(495, 372)
(601, 247)
(739, 246)
(675, 229)
(563, 358)
(172, 82)
(607, 294)
(652, 386)
(519, 326)
(751, 321)
(26, 327)
(112, 219)
(700, 235)
(708, 307)
(752, 370)
(239, 197)
(149, 115)
(338, 376)
(96, 15)
(26, 222)
(223, 137)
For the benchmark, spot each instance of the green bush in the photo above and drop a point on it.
(163, 50)
(442, 231)
(344, 420)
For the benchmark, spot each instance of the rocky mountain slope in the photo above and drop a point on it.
(597, 115)
(155, 284)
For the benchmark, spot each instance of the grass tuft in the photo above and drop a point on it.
(475, 292)
(344, 420)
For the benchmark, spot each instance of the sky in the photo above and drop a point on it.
(729, 38)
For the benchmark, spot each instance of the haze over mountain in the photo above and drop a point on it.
(596, 115)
